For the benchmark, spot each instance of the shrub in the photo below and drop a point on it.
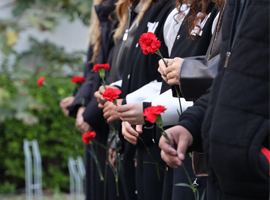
(55, 133)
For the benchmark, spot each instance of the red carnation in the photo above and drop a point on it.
(110, 94)
(78, 79)
(40, 81)
(88, 137)
(149, 43)
(151, 113)
(98, 67)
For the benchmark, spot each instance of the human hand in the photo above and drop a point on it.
(65, 103)
(180, 137)
(98, 94)
(173, 70)
(132, 113)
(130, 134)
(110, 111)
(80, 123)
(112, 158)
(162, 67)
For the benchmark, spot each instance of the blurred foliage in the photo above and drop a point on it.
(31, 112)
(50, 59)
(55, 133)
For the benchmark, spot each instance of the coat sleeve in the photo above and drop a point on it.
(84, 94)
(192, 120)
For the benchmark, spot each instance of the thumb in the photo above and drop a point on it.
(139, 129)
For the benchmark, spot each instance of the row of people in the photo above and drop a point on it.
(202, 41)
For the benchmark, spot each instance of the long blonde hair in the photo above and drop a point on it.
(122, 14)
(94, 34)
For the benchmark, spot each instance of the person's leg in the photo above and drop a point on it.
(152, 182)
(185, 193)
(127, 172)
(167, 184)
(139, 176)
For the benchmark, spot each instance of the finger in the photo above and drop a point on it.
(131, 141)
(111, 119)
(123, 108)
(172, 161)
(166, 147)
(164, 78)
(183, 144)
(97, 94)
(168, 70)
(139, 129)
(173, 81)
(101, 106)
(101, 89)
(131, 130)
(171, 75)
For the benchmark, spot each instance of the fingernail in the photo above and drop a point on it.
(181, 156)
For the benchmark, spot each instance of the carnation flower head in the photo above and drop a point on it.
(151, 113)
(88, 137)
(98, 67)
(78, 79)
(40, 81)
(111, 94)
(149, 43)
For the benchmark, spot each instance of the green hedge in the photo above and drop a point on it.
(55, 133)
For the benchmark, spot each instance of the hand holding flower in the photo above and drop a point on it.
(110, 111)
(129, 133)
(132, 113)
(180, 137)
(80, 123)
(65, 103)
(98, 94)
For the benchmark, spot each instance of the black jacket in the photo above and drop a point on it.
(234, 114)
(93, 80)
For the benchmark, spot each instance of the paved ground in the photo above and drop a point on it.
(47, 197)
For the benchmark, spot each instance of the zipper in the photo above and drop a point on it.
(231, 45)
(228, 54)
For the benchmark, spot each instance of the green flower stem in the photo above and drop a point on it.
(103, 83)
(102, 76)
(158, 53)
(166, 64)
(116, 163)
(189, 179)
(178, 96)
(156, 163)
(93, 154)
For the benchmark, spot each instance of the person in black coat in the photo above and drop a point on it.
(88, 115)
(136, 62)
(230, 123)
(195, 46)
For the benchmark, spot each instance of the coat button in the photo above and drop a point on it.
(178, 36)
(128, 76)
(137, 45)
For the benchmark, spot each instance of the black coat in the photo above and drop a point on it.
(234, 115)
(93, 115)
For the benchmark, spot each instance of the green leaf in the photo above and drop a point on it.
(203, 194)
(184, 185)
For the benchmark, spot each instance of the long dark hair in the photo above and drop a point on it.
(195, 7)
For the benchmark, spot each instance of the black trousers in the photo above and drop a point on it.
(127, 172)
(148, 184)
(179, 176)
